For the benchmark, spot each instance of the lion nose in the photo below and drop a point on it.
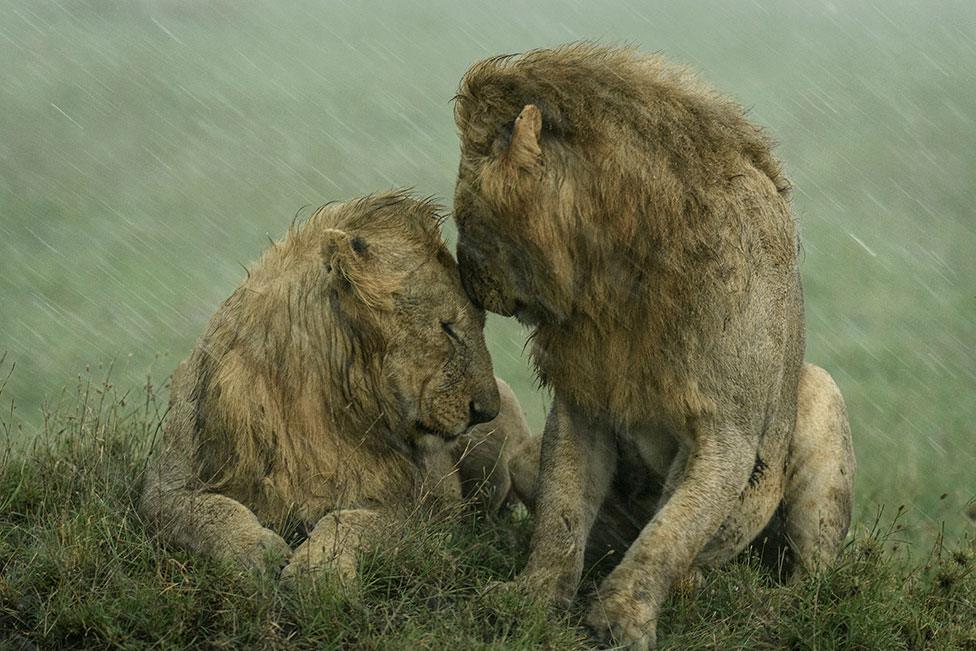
(479, 413)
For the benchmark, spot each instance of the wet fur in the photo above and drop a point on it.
(641, 225)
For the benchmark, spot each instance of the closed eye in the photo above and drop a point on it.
(449, 329)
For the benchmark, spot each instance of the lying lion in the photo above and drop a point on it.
(642, 227)
(335, 388)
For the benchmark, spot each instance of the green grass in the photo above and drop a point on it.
(78, 569)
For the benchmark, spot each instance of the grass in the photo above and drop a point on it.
(79, 570)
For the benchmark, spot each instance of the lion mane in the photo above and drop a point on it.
(290, 379)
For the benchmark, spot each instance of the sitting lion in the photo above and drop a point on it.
(335, 388)
(642, 227)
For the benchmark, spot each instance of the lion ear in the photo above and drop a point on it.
(346, 260)
(524, 149)
(338, 254)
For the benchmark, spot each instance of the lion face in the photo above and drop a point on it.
(437, 362)
(488, 270)
(396, 290)
(514, 254)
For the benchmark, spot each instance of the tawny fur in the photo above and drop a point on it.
(641, 225)
(326, 392)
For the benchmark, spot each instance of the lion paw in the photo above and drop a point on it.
(311, 558)
(265, 553)
(618, 620)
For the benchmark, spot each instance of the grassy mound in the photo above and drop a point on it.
(78, 569)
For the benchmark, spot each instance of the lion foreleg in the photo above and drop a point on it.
(717, 470)
(577, 461)
(334, 545)
(217, 526)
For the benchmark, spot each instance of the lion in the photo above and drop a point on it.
(642, 228)
(344, 381)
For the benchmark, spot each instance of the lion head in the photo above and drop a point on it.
(581, 167)
(356, 321)
(393, 290)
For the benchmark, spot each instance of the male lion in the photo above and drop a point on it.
(642, 227)
(328, 393)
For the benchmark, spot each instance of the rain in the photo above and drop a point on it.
(149, 148)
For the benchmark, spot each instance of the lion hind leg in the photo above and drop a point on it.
(819, 494)
(334, 545)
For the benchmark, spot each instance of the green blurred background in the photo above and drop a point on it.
(147, 149)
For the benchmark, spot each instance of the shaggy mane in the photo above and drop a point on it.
(649, 168)
(282, 369)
